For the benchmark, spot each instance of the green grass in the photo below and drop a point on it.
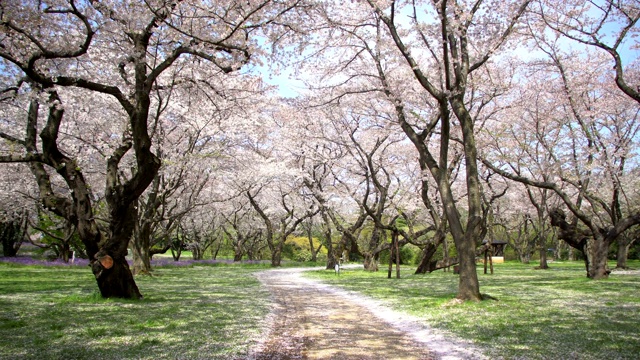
(550, 314)
(216, 312)
(200, 312)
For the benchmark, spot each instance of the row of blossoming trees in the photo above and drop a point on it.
(147, 125)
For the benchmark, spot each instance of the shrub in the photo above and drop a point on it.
(409, 255)
(298, 249)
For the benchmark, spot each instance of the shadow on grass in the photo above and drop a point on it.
(550, 314)
(197, 313)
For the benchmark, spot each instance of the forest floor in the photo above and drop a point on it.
(312, 320)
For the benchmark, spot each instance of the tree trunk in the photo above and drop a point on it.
(12, 233)
(314, 253)
(140, 249)
(391, 251)
(109, 264)
(115, 279)
(237, 256)
(65, 252)
(465, 242)
(197, 252)
(370, 262)
(468, 285)
(594, 247)
(426, 264)
(543, 257)
(176, 253)
(596, 254)
(624, 242)
(276, 256)
(163, 250)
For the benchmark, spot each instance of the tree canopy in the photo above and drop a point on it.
(157, 125)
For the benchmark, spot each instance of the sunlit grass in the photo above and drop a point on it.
(550, 314)
(199, 312)
(216, 312)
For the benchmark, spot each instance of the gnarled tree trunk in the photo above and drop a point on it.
(594, 248)
(12, 233)
(109, 264)
(624, 242)
(426, 263)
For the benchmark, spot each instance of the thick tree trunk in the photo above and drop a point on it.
(65, 252)
(595, 249)
(624, 242)
(465, 242)
(116, 279)
(543, 259)
(237, 256)
(621, 256)
(141, 254)
(331, 260)
(596, 254)
(426, 263)
(370, 262)
(276, 256)
(468, 285)
(109, 264)
(12, 233)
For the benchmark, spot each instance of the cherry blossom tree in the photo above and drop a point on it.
(190, 141)
(583, 138)
(459, 43)
(610, 26)
(129, 52)
(242, 227)
(422, 58)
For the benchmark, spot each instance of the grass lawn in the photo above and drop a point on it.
(199, 312)
(551, 314)
(216, 312)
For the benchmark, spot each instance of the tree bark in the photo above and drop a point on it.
(237, 255)
(594, 248)
(276, 256)
(116, 281)
(624, 242)
(543, 256)
(109, 265)
(12, 232)
(140, 248)
(370, 263)
(328, 236)
(426, 263)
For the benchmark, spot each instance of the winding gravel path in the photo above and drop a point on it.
(312, 320)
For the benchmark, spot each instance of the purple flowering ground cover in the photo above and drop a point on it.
(198, 310)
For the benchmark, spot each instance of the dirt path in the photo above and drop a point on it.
(312, 320)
